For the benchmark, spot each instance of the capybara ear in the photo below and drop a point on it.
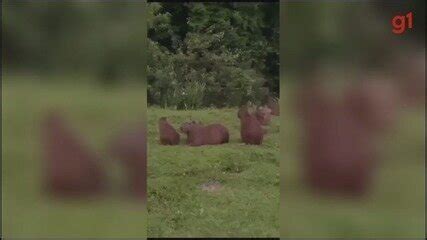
(251, 108)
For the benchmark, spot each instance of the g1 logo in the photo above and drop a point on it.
(401, 22)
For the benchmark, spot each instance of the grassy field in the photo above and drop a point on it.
(394, 208)
(93, 112)
(248, 203)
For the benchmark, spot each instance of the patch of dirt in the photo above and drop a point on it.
(212, 186)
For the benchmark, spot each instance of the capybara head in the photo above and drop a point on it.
(162, 119)
(263, 115)
(168, 134)
(243, 111)
(373, 103)
(185, 127)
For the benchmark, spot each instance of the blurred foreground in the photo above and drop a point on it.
(95, 115)
(353, 153)
(72, 81)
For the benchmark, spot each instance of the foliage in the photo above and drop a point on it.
(218, 58)
(356, 34)
(102, 40)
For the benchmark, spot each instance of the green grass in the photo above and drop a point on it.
(96, 114)
(248, 204)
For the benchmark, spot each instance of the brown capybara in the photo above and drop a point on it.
(414, 85)
(198, 135)
(273, 104)
(310, 103)
(168, 134)
(373, 102)
(263, 115)
(72, 170)
(251, 130)
(131, 147)
(340, 155)
(408, 69)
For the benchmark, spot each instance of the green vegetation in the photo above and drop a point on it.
(95, 114)
(212, 57)
(212, 54)
(200, 55)
(248, 203)
(105, 40)
(355, 34)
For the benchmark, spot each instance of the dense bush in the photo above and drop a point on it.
(218, 59)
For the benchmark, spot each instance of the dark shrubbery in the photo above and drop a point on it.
(223, 55)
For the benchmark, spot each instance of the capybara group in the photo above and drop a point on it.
(131, 148)
(251, 130)
(71, 169)
(198, 134)
(168, 134)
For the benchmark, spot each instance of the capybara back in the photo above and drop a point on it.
(198, 135)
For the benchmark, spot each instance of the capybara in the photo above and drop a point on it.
(373, 102)
(131, 147)
(168, 134)
(408, 69)
(273, 104)
(414, 86)
(340, 155)
(72, 170)
(263, 115)
(310, 102)
(198, 134)
(251, 130)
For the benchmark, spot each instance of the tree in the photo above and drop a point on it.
(219, 61)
